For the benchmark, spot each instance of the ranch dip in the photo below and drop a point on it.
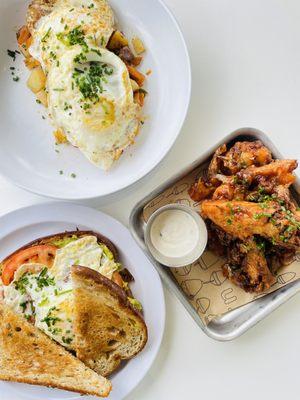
(174, 233)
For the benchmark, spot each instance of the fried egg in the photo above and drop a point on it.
(90, 98)
(89, 94)
(94, 18)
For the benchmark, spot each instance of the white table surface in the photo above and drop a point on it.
(246, 72)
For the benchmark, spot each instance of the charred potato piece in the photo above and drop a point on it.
(117, 41)
(37, 80)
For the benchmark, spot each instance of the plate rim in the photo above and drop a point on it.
(164, 153)
(158, 337)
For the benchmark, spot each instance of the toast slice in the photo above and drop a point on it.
(29, 356)
(108, 329)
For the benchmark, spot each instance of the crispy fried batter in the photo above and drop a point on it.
(250, 215)
(215, 166)
(247, 267)
(201, 190)
(279, 171)
(245, 154)
(243, 219)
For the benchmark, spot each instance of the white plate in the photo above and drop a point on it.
(26, 224)
(27, 149)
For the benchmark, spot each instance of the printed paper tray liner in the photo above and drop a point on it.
(209, 292)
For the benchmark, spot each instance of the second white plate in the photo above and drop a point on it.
(24, 225)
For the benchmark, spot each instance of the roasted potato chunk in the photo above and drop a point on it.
(117, 41)
(60, 137)
(138, 45)
(37, 80)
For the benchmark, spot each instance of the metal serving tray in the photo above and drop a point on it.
(234, 323)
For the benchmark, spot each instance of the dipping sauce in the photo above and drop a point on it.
(174, 233)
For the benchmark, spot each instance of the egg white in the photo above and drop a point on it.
(109, 126)
(96, 22)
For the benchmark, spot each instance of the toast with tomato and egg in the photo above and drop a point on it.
(27, 355)
(38, 283)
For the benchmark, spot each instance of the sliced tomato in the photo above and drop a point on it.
(116, 277)
(23, 35)
(43, 254)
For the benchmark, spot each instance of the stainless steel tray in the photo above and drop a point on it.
(236, 322)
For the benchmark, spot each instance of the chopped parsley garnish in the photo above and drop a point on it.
(96, 51)
(12, 54)
(81, 57)
(50, 320)
(58, 89)
(57, 293)
(67, 340)
(23, 306)
(45, 37)
(73, 175)
(75, 36)
(90, 81)
(260, 243)
(67, 106)
(53, 55)
(16, 78)
(21, 284)
(43, 279)
(44, 302)
(283, 238)
(61, 172)
(38, 101)
(261, 215)
(56, 331)
(92, 5)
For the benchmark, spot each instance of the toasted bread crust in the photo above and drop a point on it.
(63, 235)
(88, 273)
(29, 356)
(103, 314)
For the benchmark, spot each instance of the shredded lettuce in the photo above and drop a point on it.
(64, 241)
(136, 304)
(106, 251)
